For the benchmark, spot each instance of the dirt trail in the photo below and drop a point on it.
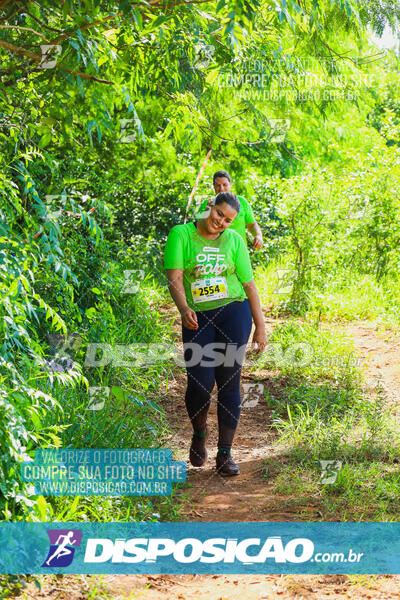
(265, 587)
(380, 353)
(246, 497)
(242, 498)
(222, 587)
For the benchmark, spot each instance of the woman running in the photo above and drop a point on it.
(209, 276)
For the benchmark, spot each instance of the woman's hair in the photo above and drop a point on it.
(229, 198)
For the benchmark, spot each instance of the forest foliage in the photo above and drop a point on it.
(107, 110)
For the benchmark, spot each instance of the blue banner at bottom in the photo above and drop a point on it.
(199, 548)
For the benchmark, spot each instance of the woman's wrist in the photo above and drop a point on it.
(184, 309)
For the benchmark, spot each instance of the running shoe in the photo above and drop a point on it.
(198, 452)
(226, 465)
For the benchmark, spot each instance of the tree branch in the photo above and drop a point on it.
(90, 25)
(173, 4)
(12, 69)
(3, 3)
(232, 116)
(85, 75)
(64, 36)
(332, 51)
(38, 58)
(41, 23)
(19, 28)
(19, 50)
(11, 15)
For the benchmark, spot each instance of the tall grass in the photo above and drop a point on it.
(130, 418)
(322, 411)
(344, 295)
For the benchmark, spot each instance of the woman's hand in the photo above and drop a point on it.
(177, 291)
(259, 340)
(189, 318)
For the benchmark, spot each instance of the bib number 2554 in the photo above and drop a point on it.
(209, 289)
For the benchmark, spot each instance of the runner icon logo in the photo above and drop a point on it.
(204, 55)
(62, 547)
(252, 394)
(50, 54)
(98, 397)
(286, 278)
(330, 470)
(279, 129)
(133, 277)
(128, 133)
(63, 349)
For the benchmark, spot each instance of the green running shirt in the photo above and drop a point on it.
(239, 223)
(213, 270)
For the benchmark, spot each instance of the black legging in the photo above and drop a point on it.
(229, 328)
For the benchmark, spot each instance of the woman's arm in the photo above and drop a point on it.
(177, 291)
(259, 336)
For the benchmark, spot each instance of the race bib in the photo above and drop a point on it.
(209, 289)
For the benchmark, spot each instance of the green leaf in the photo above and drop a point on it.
(90, 313)
(80, 86)
(36, 420)
(13, 291)
(44, 141)
(119, 393)
(160, 20)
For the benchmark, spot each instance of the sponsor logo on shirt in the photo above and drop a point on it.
(210, 262)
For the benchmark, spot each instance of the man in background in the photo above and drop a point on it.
(245, 219)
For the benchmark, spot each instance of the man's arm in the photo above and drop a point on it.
(256, 232)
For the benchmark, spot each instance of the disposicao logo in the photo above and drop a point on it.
(190, 550)
(62, 547)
